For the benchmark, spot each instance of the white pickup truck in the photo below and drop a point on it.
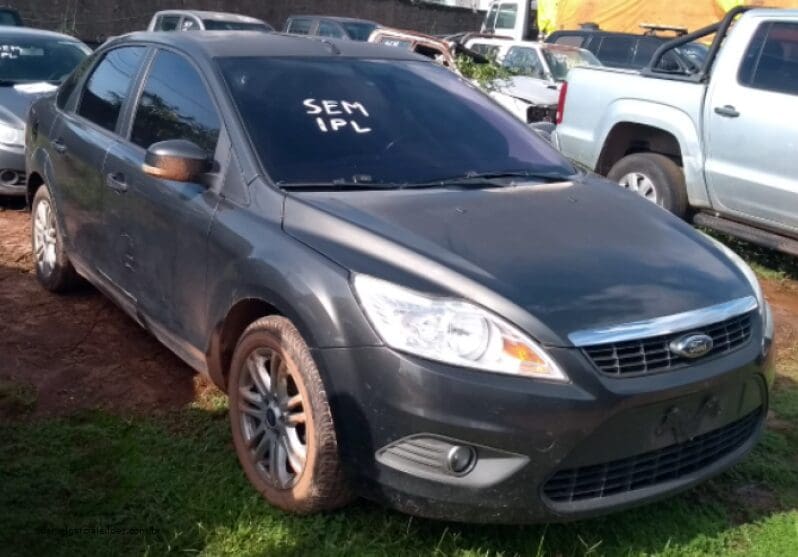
(718, 146)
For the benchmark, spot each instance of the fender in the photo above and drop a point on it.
(271, 272)
(666, 118)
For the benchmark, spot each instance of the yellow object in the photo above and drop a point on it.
(627, 15)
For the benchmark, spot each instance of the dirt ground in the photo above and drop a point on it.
(79, 351)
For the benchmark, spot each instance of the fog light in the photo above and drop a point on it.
(461, 459)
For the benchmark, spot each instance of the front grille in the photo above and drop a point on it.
(652, 468)
(653, 355)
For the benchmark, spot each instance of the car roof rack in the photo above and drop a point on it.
(653, 29)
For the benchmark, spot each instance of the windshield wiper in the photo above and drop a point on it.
(492, 179)
(335, 186)
(7, 82)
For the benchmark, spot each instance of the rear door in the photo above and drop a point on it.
(750, 133)
(80, 140)
(160, 226)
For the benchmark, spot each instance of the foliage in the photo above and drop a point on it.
(488, 76)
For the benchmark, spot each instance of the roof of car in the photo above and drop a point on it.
(332, 18)
(32, 32)
(221, 44)
(218, 16)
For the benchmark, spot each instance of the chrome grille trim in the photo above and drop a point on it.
(666, 325)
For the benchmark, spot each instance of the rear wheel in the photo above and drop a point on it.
(53, 269)
(281, 421)
(654, 177)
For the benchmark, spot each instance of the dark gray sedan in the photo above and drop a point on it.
(32, 63)
(406, 293)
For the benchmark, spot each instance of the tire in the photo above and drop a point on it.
(655, 177)
(269, 425)
(53, 268)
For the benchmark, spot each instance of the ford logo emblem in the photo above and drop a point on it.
(692, 346)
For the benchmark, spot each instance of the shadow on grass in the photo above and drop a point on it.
(95, 483)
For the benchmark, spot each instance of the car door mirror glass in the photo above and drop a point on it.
(176, 159)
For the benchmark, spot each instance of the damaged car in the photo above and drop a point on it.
(537, 70)
(406, 293)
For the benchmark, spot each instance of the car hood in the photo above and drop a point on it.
(15, 101)
(552, 258)
(530, 89)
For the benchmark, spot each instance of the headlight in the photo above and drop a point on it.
(451, 331)
(11, 136)
(744, 269)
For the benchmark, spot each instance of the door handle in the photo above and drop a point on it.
(728, 111)
(116, 181)
(59, 145)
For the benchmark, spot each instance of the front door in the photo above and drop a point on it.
(750, 131)
(160, 226)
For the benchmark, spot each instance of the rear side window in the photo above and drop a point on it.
(68, 87)
(299, 26)
(107, 88)
(190, 24)
(616, 51)
(328, 29)
(167, 23)
(570, 40)
(771, 62)
(175, 104)
(487, 50)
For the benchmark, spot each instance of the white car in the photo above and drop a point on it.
(195, 20)
(538, 69)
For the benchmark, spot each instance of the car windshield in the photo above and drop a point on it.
(36, 58)
(561, 60)
(221, 25)
(343, 120)
(358, 31)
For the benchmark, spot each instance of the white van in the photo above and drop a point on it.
(518, 19)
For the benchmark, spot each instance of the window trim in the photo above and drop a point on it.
(769, 23)
(130, 115)
(73, 110)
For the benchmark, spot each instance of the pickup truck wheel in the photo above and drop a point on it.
(53, 269)
(654, 177)
(281, 421)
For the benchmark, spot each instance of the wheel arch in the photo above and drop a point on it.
(631, 126)
(228, 331)
(626, 138)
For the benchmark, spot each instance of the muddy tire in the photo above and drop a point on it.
(281, 421)
(654, 177)
(53, 268)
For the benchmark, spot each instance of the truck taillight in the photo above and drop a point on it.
(561, 103)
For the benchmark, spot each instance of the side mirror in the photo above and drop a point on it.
(176, 159)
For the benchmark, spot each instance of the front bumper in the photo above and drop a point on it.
(540, 446)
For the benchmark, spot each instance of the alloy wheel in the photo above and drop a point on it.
(640, 184)
(45, 238)
(272, 413)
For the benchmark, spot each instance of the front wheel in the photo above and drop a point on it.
(53, 269)
(654, 177)
(281, 421)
